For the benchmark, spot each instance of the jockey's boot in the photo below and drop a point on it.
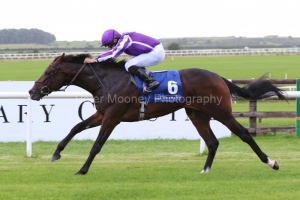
(151, 83)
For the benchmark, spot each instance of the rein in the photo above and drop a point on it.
(73, 78)
(97, 77)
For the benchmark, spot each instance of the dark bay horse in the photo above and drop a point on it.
(110, 78)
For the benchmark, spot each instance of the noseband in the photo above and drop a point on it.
(45, 90)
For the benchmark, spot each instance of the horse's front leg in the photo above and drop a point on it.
(92, 121)
(105, 131)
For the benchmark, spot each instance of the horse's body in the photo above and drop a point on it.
(113, 79)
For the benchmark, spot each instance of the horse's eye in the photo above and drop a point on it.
(47, 73)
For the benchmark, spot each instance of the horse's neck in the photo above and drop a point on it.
(103, 78)
(115, 75)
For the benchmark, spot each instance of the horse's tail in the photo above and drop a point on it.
(258, 89)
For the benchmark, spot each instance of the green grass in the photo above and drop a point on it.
(151, 169)
(245, 67)
(22, 70)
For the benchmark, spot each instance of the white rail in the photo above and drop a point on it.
(169, 53)
(54, 95)
(70, 95)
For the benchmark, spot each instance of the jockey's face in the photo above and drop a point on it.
(112, 44)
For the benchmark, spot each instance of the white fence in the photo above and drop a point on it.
(169, 53)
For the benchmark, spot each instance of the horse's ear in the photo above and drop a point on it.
(61, 58)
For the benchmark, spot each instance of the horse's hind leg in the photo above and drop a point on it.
(245, 136)
(92, 121)
(201, 122)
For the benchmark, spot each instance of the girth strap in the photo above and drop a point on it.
(142, 111)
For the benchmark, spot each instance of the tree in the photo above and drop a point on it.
(173, 46)
(25, 36)
(35, 50)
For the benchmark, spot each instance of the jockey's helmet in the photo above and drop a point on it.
(108, 37)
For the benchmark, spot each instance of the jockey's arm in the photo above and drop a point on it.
(123, 44)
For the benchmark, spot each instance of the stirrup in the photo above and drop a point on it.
(153, 85)
(147, 90)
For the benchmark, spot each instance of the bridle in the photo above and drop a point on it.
(45, 90)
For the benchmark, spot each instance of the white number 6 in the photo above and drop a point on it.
(172, 87)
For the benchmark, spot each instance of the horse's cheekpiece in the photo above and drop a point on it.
(169, 90)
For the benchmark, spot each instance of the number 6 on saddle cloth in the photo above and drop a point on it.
(169, 90)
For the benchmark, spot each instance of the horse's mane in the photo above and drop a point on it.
(79, 58)
(114, 62)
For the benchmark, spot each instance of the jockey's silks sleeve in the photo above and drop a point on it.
(131, 43)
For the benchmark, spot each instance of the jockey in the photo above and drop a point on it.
(145, 51)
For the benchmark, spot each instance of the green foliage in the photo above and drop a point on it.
(233, 42)
(25, 36)
(151, 169)
(35, 50)
(173, 46)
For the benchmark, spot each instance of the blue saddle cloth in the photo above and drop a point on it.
(169, 90)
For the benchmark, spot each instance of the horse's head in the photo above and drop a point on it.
(64, 70)
(51, 80)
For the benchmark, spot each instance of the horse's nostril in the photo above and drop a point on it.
(30, 92)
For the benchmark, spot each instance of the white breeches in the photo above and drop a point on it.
(154, 57)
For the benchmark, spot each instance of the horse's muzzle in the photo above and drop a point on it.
(35, 95)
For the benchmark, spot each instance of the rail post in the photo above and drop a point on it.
(252, 120)
(28, 131)
(298, 109)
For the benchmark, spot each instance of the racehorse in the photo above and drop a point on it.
(110, 78)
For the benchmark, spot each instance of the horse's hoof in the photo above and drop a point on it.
(204, 171)
(55, 157)
(273, 164)
(276, 165)
(80, 173)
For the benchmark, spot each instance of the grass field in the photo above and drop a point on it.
(152, 169)
(228, 67)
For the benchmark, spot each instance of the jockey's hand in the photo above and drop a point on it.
(89, 60)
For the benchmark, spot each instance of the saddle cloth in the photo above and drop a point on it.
(169, 90)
